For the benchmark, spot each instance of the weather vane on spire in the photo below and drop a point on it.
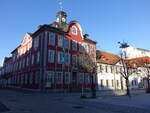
(60, 5)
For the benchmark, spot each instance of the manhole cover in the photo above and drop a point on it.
(78, 107)
(3, 108)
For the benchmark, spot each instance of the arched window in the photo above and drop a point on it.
(74, 30)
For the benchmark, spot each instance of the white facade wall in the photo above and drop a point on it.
(105, 79)
(108, 80)
(132, 52)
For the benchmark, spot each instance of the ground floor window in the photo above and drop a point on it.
(81, 78)
(67, 77)
(26, 79)
(101, 83)
(50, 77)
(22, 79)
(117, 83)
(58, 77)
(37, 75)
(112, 82)
(31, 78)
(87, 78)
(107, 83)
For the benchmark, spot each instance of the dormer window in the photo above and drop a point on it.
(74, 30)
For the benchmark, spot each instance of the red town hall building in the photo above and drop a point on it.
(51, 58)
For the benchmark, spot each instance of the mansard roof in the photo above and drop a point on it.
(55, 26)
(107, 58)
(139, 62)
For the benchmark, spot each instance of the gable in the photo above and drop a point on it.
(75, 31)
(27, 38)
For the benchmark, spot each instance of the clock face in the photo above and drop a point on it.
(57, 20)
(63, 19)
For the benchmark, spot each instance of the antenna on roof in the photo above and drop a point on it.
(60, 5)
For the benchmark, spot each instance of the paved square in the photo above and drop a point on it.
(35, 102)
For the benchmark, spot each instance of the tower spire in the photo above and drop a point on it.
(60, 5)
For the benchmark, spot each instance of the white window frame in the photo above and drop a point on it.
(81, 78)
(27, 61)
(74, 30)
(60, 41)
(74, 45)
(67, 58)
(31, 78)
(26, 79)
(51, 55)
(50, 77)
(66, 43)
(36, 42)
(32, 59)
(87, 78)
(51, 38)
(74, 59)
(67, 78)
(59, 78)
(37, 77)
(60, 57)
(38, 57)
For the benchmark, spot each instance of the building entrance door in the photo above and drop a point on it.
(74, 79)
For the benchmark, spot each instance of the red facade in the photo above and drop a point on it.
(53, 57)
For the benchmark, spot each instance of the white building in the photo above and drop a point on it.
(109, 76)
(132, 52)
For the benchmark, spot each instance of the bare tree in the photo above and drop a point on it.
(128, 70)
(89, 65)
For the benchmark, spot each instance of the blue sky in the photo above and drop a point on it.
(106, 21)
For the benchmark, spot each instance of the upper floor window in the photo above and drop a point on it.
(61, 57)
(86, 48)
(106, 69)
(36, 42)
(51, 54)
(52, 38)
(32, 61)
(74, 45)
(23, 63)
(60, 40)
(38, 58)
(27, 61)
(74, 59)
(20, 64)
(74, 30)
(67, 58)
(66, 43)
(111, 68)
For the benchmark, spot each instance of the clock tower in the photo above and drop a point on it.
(61, 17)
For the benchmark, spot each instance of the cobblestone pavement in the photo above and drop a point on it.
(33, 102)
